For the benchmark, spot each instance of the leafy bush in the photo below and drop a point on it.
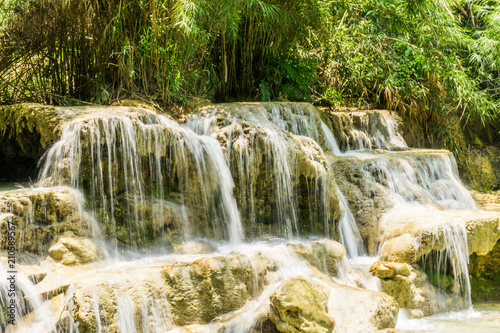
(424, 58)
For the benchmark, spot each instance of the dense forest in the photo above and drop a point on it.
(426, 59)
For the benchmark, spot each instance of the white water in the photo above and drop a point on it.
(142, 155)
(136, 172)
(20, 300)
(349, 232)
(369, 130)
(259, 152)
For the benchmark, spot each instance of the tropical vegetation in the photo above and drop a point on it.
(426, 59)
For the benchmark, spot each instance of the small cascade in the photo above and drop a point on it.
(424, 177)
(126, 314)
(19, 298)
(280, 175)
(349, 232)
(367, 130)
(330, 139)
(143, 175)
(448, 268)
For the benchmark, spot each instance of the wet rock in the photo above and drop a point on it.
(325, 255)
(370, 129)
(360, 310)
(299, 306)
(485, 275)
(409, 236)
(374, 182)
(387, 270)
(415, 293)
(40, 215)
(48, 295)
(209, 287)
(37, 277)
(71, 250)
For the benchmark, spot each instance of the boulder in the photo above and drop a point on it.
(325, 255)
(387, 270)
(299, 306)
(413, 291)
(40, 215)
(360, 310)
(71, 250)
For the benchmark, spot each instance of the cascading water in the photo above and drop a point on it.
(417, 177)
(281, 175)
(238, 172)
(367, 130)
(137, 170)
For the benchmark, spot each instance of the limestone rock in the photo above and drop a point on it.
(487, 201)
(200, 291)
(411, 235)
(299, 306)
(483, 169)
(325, 255)
(40, 215)
(412, 290)
(274, 166)
(71, 250)
(387, 270)
(485, 275)
(367, 129)
(360, 310)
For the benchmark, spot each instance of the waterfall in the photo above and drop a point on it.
(246, 189)
(349, 232)
(18, 297)
(330, 139)
(359, 130)
(414, 176)
(454, 255)
(132, 170)
(286, 167)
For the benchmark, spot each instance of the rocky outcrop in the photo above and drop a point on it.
(39, 215)
(299, 306)
(409, 235)
(485, 275)
(70, 250)
(367, 129)
(207, 288)
(483, 167)
(27, 129)
(375, 182)
(284, 185)
(361, 310)
(325, 255)
(413, 291)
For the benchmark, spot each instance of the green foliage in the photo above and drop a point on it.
(426, 59)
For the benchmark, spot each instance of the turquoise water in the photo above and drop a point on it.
(6, 186)
(484, 318)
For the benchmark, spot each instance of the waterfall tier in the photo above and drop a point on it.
(221, 211)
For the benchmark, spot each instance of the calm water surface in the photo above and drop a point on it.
(484, 318)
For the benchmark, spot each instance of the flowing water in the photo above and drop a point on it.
(248, 182)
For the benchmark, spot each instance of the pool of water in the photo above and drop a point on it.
(8, 186)
(484, 318)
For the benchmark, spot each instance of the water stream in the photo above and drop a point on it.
(248, 183)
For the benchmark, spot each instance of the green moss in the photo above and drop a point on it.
(485, 276)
